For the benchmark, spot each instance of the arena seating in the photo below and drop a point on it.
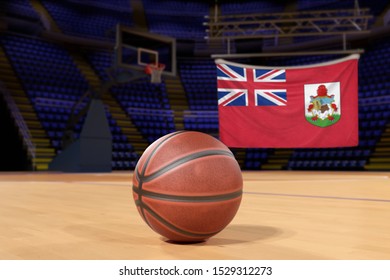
(179, 19)
(53, 93)
(324, 4)
(115, 5)
(376, 7)
(93, 21)
(251, 7)
(198, 77)
(19, 9)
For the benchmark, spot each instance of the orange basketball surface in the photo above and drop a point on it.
(187, 186)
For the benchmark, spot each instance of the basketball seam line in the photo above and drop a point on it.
(173, 227)
(143, 172)
(181, 161)
(156, 148)
(182, 198)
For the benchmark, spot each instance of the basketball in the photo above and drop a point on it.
(187, 186)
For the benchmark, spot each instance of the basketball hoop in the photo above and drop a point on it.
(155, 72)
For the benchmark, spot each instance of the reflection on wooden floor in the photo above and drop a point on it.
(283, 215)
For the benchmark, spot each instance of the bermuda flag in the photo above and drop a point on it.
(288, 107)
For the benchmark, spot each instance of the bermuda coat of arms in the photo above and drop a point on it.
(322, 103)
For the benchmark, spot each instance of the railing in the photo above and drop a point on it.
(21, 124)
(309, 23)
(272, 27)
(203, 120)
(374, 100)
(196, 114)
(51, 102)
(200, 114)
(150, 112)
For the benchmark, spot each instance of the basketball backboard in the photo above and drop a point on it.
(135, 49)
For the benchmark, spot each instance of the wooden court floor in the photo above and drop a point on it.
(283, 215)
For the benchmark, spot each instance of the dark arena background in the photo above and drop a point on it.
(77, 111)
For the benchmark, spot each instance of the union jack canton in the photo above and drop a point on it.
(240, 86)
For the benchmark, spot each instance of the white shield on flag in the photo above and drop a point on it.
(322, 103)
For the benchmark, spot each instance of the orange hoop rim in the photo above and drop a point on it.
(160, 66)
(149, 68)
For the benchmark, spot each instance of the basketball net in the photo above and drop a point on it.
(155, 72)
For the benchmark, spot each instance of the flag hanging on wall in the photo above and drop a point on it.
(288, 107)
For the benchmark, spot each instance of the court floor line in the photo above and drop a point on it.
(321, 197)
(321, 180)
(253, 193)
(68, 182)
(128, 184)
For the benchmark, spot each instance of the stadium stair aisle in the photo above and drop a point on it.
(380, 158)
(177, 100)
(85, 69)
(278, 160)
(126, 124)
(44, 152)
(41, 10)
(121, 118)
